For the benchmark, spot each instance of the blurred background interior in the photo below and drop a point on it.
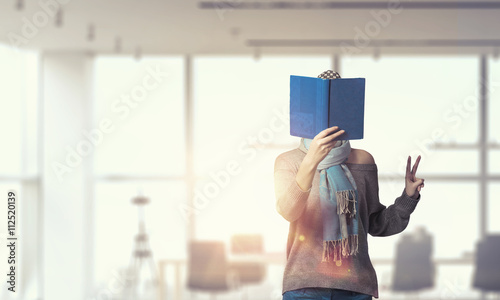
(141, 138)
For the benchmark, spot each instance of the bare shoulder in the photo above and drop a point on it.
(360, 156)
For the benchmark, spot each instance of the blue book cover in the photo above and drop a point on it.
(316, 104)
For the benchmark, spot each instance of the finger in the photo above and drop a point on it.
(334, 137)
(415, 166)
(414, 185)
(408, 173)
(326, 132)
(419, 181)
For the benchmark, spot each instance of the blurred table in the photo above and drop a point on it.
(271, 258)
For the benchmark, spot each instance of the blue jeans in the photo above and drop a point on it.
(324, 294)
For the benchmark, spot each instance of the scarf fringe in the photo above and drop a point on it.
(346, 202)
(335, 250)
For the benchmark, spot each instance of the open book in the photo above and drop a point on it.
(316, 104)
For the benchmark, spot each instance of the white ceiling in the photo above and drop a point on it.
(180, 27)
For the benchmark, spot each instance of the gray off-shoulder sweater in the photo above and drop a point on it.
(304, 266)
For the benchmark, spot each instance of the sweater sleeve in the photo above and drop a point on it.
(290, 198)
(385, 221)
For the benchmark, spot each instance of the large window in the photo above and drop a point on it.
(143, 155)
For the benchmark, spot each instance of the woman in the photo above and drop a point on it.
(329, 194)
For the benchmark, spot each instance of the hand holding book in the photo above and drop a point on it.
(320, 146)
(322, 143)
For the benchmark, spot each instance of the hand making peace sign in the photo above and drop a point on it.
(413, 185)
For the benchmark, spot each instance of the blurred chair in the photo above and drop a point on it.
(247, 264)
(247, 244)
(208, 268)
(414, 269)
(487, 269)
